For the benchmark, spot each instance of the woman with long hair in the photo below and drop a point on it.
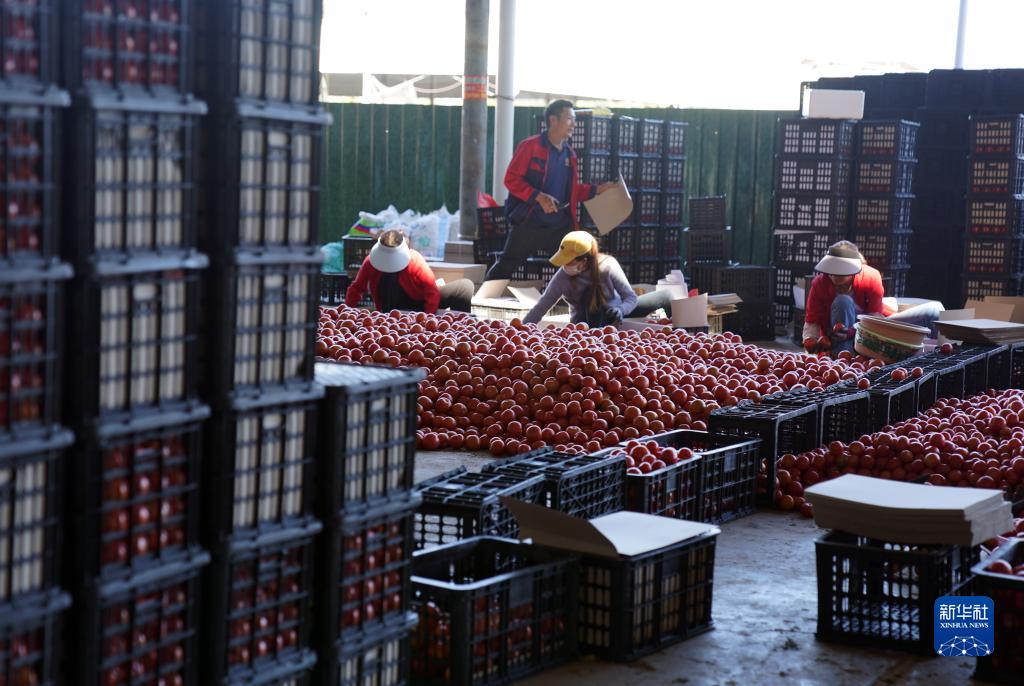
(594, 285)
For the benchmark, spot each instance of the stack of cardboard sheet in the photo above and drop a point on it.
(909, 513)
(984, 331)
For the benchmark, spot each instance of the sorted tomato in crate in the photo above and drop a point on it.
(29, 635)
(28, 42)
(1006, 589)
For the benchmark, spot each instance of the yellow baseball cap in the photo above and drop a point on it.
(575, 244)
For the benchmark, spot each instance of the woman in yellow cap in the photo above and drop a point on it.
(582, 268)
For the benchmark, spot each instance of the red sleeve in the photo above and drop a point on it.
(816, 302)
(357, 289)
(871, 283)
(515, 175)
(422, 277)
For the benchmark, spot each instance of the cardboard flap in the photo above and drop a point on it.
(495, 288)
(989, 309)
(527, 296)
(1016, 301)
(690, 311)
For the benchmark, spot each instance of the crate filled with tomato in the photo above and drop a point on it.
(1001, 578)
(29, 640)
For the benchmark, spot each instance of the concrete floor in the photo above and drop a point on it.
(765, 612)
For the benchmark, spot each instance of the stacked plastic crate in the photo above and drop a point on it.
(812, 186)
(993, 244)
(259, 72)
(882, 198)
(32, 286)
(365, 497)
(133, 554)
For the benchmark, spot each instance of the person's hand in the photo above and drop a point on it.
(547, 203)
(606, 186)
(612, 314)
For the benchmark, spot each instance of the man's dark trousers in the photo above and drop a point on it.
(522, 242)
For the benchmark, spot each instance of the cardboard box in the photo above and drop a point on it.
(822, 103)
(453, 271)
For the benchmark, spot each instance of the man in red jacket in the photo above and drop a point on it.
(544, 191)
(399, 279)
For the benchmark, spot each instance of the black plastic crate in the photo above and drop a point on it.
(581, 486)
(669, 238)
(591, 134)
(938, 208)
(459, 505)
(134, 632)
(29, 638)
(294, 670)
(781, 429)
(708, 245)
(31, 342)
(595, 168)
(258, 469)
(30, 535)
(367, 435)
(752, 283)
(651, 177)
(816, 137)
(651, 137)
(994, 255)
(634, 606)
(28, 43)
(1006, 663)
(753, 321)
(1000, 366)
(382, 660)
(646, 242)
(707, 213)
(29, 152)
(903, 91)
(647, 208)
(260, 51)
(883, 594)
(333, 288)
(882, 249)
(135, 504)
(825, 174)
(258, 608)
(674, 175)
(944, 378)
(675, 139)
(620, 242)
(896, 139)
(492, 611)
(357, 248)
(974, 358)
(262, 181)
(131, 173)
(1008, 89)
(789, 275)
(802, 246)
(539, 269)
(977, 287)
(943, 129)
(624, 135)
(783, 314)
(891, 401)
(136, 335)
(996, 175)
(672, 209)
(884, 176)
(896, 281)
(363, 578)
(1002, 135)
(882, 213)
(128, 47)
(996, 215)
(262, 318)
(959, 88)
(648, 270)
(629, 169)
(796, 335)
(825, 213)
(843, 413)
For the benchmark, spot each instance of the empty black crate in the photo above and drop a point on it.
(382, 660)
(674, 175)
(260, 51)
(261, 188)
(459, 505)
(883, 594)
(669, 239)
(996, 215)
(333, 288)
(135, 504)
(629, 169)
(1003, 135)
(753, 321)
(357, 248)
(633, 606)
(594, 168)
(492, 611)
(647, 208)
(620, 242)
(30, 492)
(896, 139)
(138, 630)
(781, 429)
(802, 246)
(1006, 663)
(675, 139)
(258, 466)
(816, 137)
(651, 137)
(882, 213)
(135, 334)
(994, 255)
(825, 213)
(812, 174)
(650, 174)
(708, 245)
(624, 135)
(707, 213)
(783, 313)
(31, 335)
(581, 486)
(789, 275)
(257, 613)
(131, 179)
(977, 287)
(592, 133)
(672, 209)
(884, 176)
(996, 175)
(843, 413)
(752, 283)
(649, 270)
(943, 129)
(262, 325)
(882, 250)
(29, 151)
(959, 88)
(128, 47)
(30, 637)
(367, 435)
(646, 242)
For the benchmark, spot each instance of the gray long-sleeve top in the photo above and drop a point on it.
(614, 285)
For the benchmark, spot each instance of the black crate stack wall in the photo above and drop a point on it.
(882, 199)
(33, 280)
(258, 68)
(132, 550)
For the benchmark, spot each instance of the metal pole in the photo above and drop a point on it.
(504, 113)
(473, 165)
(961, 36)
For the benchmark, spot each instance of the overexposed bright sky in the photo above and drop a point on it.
(742, 54)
